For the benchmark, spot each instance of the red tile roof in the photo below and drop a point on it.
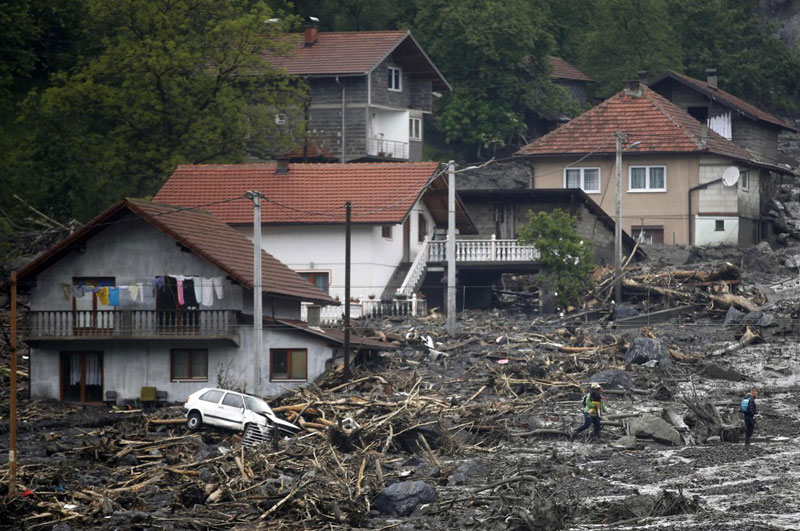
(660, 126)
(204, 236)
(564, 70)
(352, 52)
(308, 193)
(725, 98)
(337, 336)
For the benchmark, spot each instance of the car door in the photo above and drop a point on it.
(231, 409)
(208, 404)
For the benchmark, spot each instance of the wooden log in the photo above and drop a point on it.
(747, 338)
(166, 421)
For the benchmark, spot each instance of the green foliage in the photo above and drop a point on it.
(174, 82)
(565, 257)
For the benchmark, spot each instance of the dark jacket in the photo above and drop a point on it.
(751, 406)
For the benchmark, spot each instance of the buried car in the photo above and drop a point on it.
(236, 411)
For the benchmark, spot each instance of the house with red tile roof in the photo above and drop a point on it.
(395, 207)
(735, 119)
(369, 91)
(152, 295)
(682, 182)
(569, 77)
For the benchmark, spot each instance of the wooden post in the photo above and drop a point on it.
(12, 431)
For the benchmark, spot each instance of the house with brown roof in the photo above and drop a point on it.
(733, 118)
(369, 92)
(395, 209)
(150, 295)
(682, 182)
(568, 76)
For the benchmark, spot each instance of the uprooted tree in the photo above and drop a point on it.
(566, 258)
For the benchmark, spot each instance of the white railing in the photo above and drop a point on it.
(370, 309)
(416, 271)
(492, 250)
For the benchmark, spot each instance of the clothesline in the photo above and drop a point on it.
(191, 291)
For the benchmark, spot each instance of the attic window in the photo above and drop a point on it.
(699, 113)
(395, 79)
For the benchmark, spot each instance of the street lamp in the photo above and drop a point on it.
(620, 138)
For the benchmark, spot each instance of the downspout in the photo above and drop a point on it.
(344, 138)
(692, 189)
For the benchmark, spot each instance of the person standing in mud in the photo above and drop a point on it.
(750, 411)
(593, 408)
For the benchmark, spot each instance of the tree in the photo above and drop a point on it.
(174, 81)
(495, 53)
(565, 257)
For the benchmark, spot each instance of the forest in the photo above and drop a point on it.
(102, 99)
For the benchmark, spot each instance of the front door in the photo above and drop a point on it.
(82, 376)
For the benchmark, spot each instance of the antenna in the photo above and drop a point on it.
(730, 176)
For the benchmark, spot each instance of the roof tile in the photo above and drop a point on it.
(564, 70)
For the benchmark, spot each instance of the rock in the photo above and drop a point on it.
(760, 259)
(759, 318)
(714, 440)
(612, 378)
(783, 370)
(655, 428)
(622, 311)
(733, 316)
(716, 372)
(402, 498)
(467, 472)
(128, 460)
(627, 442)
(644, 349)
(792, 261)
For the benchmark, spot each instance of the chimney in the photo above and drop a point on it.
(642, 74)
(711, 77)
(633, 88)
(311, 30)
(282, 168)
(313, 315)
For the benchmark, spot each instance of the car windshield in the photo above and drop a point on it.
(257, 405)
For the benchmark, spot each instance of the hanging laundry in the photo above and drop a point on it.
(208, 291)
(133, 291)
(180, 291)
(189, 293)
(102, 296)
(113, 296)
(198, 289)
(218, 286)
(158, 285)
(78, 291)
(66, 289)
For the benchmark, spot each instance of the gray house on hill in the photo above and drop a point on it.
(369, 92)
(147, 295)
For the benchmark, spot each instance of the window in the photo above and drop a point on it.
(719, 225)
(699, 113)
(395, 79)
(233, 400)
(189, 364)
(587, 179)
(386, 232)
(212, 396)
(647, 179)
(422, 226)
(320, 280)
(288, 364)
(648, 235)
(744, 179)
(280, 119)
(415, 128)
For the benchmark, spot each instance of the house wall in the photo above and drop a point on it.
(665, 209)
(415, 94)
(756, 137)
(325, 129)
(576, 89)
(308, 248)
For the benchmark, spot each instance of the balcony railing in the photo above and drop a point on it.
(390, 149)
(483, 251)
(142, 324)
(371, 309)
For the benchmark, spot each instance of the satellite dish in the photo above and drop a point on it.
(730, 176)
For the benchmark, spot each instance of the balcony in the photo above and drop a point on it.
(388, 149)
(131, 324)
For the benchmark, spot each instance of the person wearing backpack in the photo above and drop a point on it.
(593, 408)
(749, 410)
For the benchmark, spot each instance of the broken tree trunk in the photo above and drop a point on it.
(746, 339)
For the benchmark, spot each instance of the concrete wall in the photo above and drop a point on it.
(666, 209)
(708, 235)
(308, 248)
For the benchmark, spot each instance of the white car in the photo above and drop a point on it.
(236, 411)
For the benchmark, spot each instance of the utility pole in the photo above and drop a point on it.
(258, 322)
(451, 248)
(618, 224)
(347, 374)
(12, 431)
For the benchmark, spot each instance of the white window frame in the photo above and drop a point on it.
(395, 73)
(280, 119)
(415, 126)
(647, 187)
(583, 181)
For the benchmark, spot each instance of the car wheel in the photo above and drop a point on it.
(194, 421)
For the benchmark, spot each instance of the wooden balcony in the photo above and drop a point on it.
(131, 324)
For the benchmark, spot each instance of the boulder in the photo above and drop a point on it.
(733, 316)
(716, 372)
(467, 472)
(656, 428)
(612, 378)
(400, 499)
(628, 442)
(644, 349)
(759, 318)
(622, 311)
